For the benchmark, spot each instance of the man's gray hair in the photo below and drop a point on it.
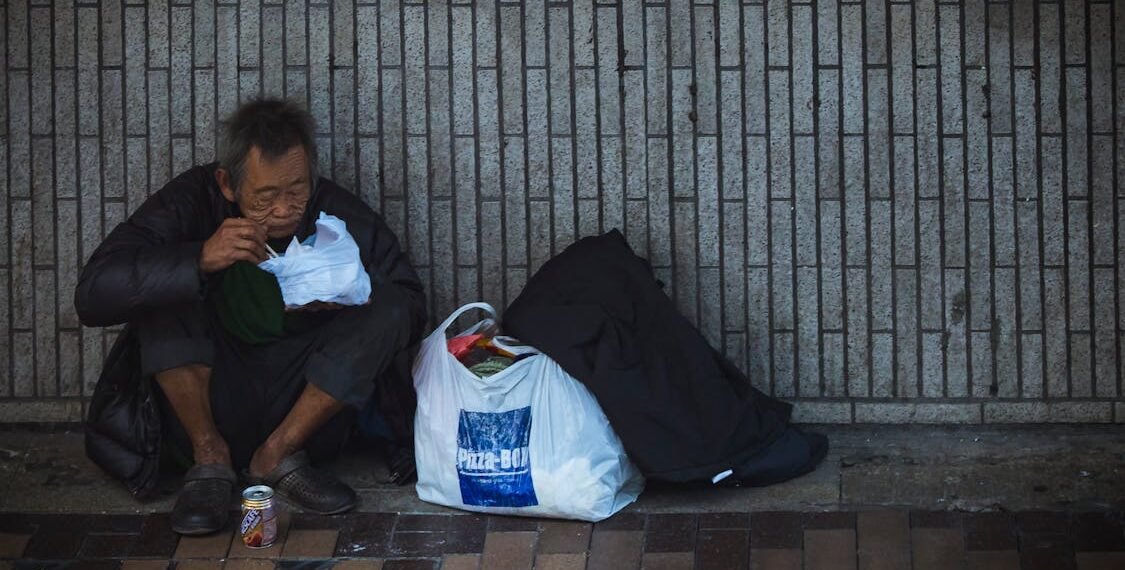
(274, 126)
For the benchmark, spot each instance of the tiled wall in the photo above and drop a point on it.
(887, 211)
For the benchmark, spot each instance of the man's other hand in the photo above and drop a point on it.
(238, 239)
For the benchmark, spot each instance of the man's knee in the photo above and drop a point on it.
(188, 373)
(175, 337)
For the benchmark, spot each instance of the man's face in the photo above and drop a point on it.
(273, 193)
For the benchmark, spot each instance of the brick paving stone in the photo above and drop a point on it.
(358, 565)
(990, 531)
(107, 545)
(722, 549)
(310, 544)
(365, 535)
(622, 521)
(935, 519)
(411, 564)
(211, 546)
(310, 521)
(199, 565)
(830, 520)
(124, 524)
(937, 548)
(1042, 523)
(883, 540)
(12, 545)
(1044, 541)
(512, 524)
(417, 544)
(410, 522)
(776, 530)
(249, 564)
(615, 549)
(670, 533)
(145, 564)
(460, 562)
(54, 544)
(994, 560)
(724, 520)
(1097, 532)
(509, 550)
(305, 564)
(157, 539)
(18, 523)
(564, 536)
(775, 559)
(830, 549)
(1100, 560)
(561, 561)
(1047, 559)
(667, 561)
(466, 534)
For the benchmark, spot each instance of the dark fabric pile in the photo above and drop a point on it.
(683, 411)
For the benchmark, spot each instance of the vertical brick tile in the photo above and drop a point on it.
(511, 75)
(951, 60)
(706, 82)
(656, 71)
(858, 329)
(902, 68)
(851, 40)
(831, 266)
(753, 34)
(1000, 68)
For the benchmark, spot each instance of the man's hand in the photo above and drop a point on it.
(238, 239)
(317, 306)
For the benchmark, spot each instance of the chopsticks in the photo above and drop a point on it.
(273, 254)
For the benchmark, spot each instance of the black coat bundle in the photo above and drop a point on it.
(682, 410)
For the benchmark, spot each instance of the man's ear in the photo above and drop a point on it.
(223, 178)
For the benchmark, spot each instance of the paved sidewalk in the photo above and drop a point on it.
(1031, 497)
(770, 540)
(882, 539)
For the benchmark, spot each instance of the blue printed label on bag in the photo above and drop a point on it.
(493, 465)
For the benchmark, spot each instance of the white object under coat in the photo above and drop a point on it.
(529, 440)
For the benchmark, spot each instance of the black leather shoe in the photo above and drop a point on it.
(202, 507)
(310, 488)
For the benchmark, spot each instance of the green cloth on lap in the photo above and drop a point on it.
(250, 306)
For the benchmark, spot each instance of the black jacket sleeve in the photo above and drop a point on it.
(149, 261)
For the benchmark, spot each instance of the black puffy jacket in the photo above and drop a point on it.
(152, 261)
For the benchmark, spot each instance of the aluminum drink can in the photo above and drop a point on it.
(259, 519)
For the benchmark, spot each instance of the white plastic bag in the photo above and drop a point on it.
(326, 267)
(529, 440)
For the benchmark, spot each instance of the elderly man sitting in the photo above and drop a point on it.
(240, 382)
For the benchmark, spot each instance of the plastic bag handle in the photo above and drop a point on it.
(464, 309)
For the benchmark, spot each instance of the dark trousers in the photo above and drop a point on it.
(253, 387)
